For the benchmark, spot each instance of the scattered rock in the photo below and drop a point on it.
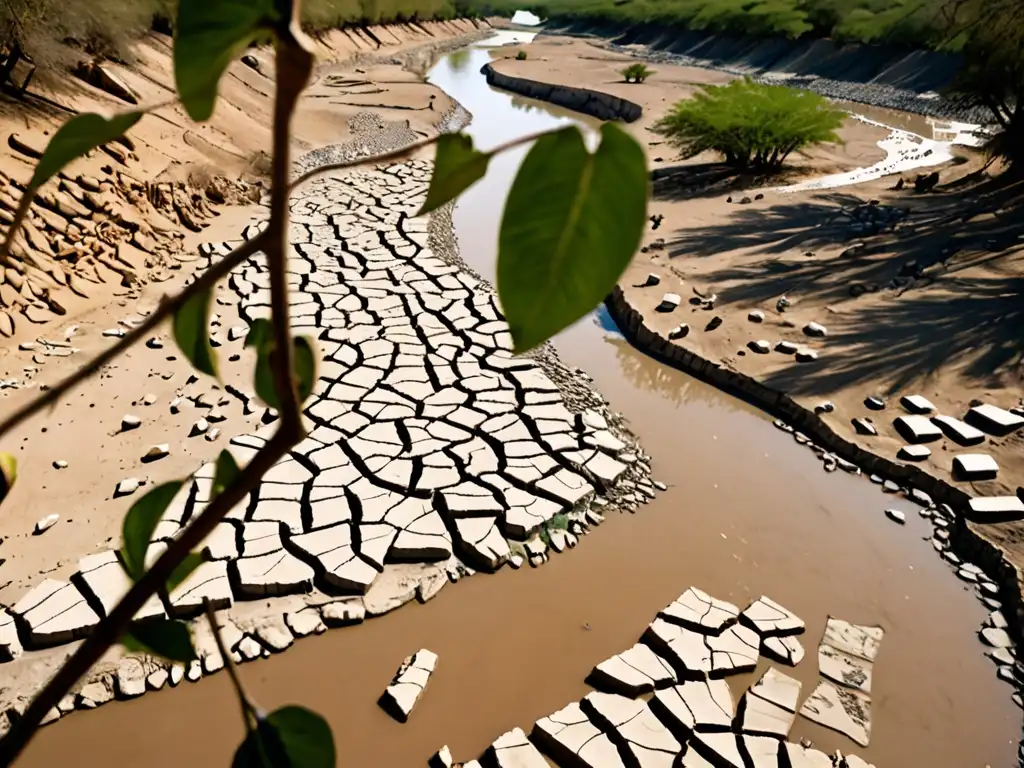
(917, 404)
(668, 302)
(127, 487)
(760, 346)
(874, 403)
(46, 523)
(997, 638)
(130, 422)
(401, 696)
(199, 428)
(914, 453)
(917, 429)
(974, 466)
(786, 347)
(756, 316)
(156, 452)
(816, 330)
(864, 427)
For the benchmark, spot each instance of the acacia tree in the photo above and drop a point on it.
(572, 221)
(753, 125)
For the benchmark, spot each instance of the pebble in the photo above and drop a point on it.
(967, 575)
(175, 405)
(660, 485)
(997, 638)
(874, 403)
(60, 464)
(761, 346)
(199, 427)
(128, 421)
(46, 523)
(896, 515)
(155, 343)
(756, 316)
(1002, 656)
(157, 452)
(815, 329)
(806, 355)
(952, 558)
(216, 414)
(237, 332)
(213, 434)
(27, 346)
(127, 486)
(149, 399)
(786, 347)
(118, 332)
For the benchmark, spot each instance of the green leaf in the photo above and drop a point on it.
(208, 35)
(304, 364)
(191, 331)
(225, 473)
(572, 222)
(139, 524)
(76, 137)
(263, 381)
(184, 569)
(8, 474)
(457, 166)
(163, 637)
(289, 737)
(260, 332)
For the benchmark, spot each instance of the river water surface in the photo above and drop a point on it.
(748, 512)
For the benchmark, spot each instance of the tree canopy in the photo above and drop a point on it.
(751, 124)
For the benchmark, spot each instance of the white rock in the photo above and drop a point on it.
(157, 452)
(761, 346)
(127, 486)
(60, 464)
(917, 404)
(815, 329)
(128, 421)
(843, 710)
(769, 619)
(668, 302)
(997, 638)
(199, 427)
(974, 466)
(54, 612)
(46, 523)
(405, 689)
(896, 516)
(131, 679)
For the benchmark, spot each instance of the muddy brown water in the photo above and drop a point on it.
(748, 512)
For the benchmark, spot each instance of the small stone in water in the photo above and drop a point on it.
(896, 515)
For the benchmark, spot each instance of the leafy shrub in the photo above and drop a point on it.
(636, 73)
(752, 125)
(521, 56)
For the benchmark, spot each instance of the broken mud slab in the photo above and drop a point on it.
(408, 685)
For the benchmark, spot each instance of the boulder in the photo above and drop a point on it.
(958, 431)
(974, 466)
(994, 420)
(917, 429)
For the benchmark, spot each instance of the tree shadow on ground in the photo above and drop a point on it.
(977, 330)
(950, 282)
(690, 181)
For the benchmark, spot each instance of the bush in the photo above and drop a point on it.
(521, 56)
(636, 73)
(752, 125)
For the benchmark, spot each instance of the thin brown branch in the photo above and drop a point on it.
(248, 710)
(401, 154)
(167, 307)
(112, 628)
(294, 67)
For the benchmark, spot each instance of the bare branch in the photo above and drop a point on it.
(167, 307)
(112, 628)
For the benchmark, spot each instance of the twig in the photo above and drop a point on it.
(112, 628)
(248, 710)
(294, 65)
(168, 306)
(401, 154)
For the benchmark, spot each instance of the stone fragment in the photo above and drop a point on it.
(102, 578)
(993, 419)
(769, 619)
(273, 634)
(914, 453)
(514, 750)
(156, 452)
(695, 705)
(572, 739)
(997, 638)
(633, 672)
(815, 329)
(755, 316)
(304, 622)
(94, 694)
(786, 347)
(896, 515)
(127, 487)
(157, 679)
(199, 427)
(128, 421)
(995, 509)
(633, 727)
(131, 678)
(806, 355)
(46, 523)
(974, 466)
(787, 650)
(864, 427)
(668, 302)
(700, 612)
(342, 613)
(916, 404)
(53, 613)
(760, 346)
(917, 429)
(841, 709)
(958, 431)
(874, 403)
(405, 689)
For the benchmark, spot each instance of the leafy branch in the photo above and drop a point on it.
(573, 220)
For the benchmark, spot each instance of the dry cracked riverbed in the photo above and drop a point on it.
(431, 452)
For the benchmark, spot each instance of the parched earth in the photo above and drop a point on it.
(431, 452)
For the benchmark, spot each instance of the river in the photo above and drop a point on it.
(748, 512)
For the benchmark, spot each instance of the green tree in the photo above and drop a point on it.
(752, 125)
(636, 73)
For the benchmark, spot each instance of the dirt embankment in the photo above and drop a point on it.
(115, 221)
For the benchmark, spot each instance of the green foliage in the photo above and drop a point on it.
(191, 332)
(457, 166)
(209, 35)
(139, 524)
(163, 637)
(521, 56)
(636, 73)
(572, 222)
(289, 737)
(8, 474)
(752, 125)
(77, 136)
(225, 473)
(261, 338)
(917, 22)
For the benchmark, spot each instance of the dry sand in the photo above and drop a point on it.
(951, 334)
